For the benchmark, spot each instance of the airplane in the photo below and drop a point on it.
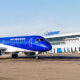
(29, 45)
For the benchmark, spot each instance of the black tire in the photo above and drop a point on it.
(0, 52)
(14, 55)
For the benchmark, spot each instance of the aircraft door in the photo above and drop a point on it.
(30, 42)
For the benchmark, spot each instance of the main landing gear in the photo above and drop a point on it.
(14, 55)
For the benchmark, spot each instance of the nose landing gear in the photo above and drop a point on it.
(37, 55)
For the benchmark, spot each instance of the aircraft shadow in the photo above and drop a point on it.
(45, 57)
(54, 57)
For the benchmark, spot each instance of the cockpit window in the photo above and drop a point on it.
(37, 40)
(41, 39)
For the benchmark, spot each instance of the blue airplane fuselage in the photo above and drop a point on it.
(33, 43)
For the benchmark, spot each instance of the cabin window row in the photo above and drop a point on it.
(13, 41)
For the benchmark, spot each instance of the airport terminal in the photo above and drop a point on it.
(64, 43)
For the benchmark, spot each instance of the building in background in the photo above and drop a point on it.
(64, 43)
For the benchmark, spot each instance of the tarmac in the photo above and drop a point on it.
(48, 67)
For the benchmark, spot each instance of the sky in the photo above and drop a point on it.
(35, 17)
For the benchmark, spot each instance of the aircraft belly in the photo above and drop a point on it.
(13, 49)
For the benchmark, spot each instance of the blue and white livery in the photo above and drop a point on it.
(30, 45)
